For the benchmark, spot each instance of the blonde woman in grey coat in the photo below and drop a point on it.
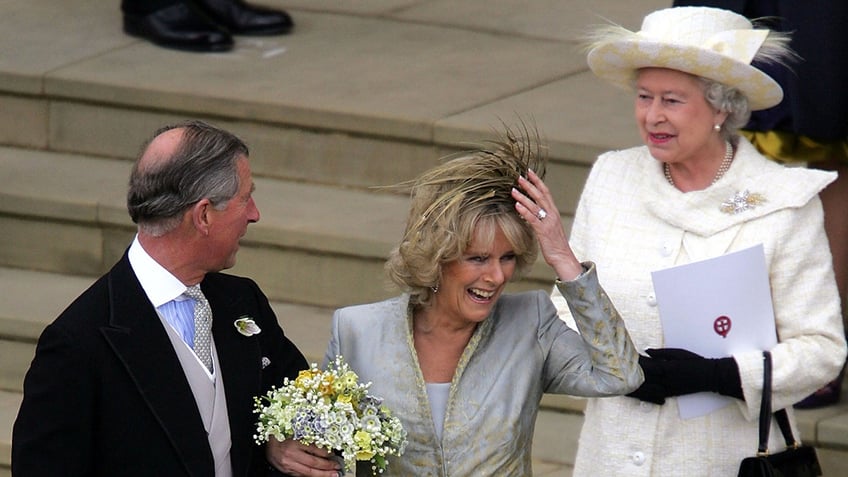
(463, 364)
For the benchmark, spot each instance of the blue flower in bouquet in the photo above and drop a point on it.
(333, 410)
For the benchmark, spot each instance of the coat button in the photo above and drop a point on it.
(666, 249)
(646, 406)
(638, 458)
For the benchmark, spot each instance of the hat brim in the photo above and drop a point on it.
(618, 61)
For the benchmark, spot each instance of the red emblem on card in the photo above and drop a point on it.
(722, 325)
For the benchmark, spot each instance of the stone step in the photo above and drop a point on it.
(315, 244)
(9, 404)
(348, 159)
(32, 299)
(330, 104)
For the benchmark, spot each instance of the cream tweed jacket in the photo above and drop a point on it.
(631, 221)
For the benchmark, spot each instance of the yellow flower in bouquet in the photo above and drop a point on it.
(333, 410)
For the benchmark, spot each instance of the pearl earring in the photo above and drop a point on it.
(717, 127)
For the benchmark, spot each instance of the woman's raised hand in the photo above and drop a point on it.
(536, 205)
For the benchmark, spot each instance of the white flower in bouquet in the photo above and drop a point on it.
(333, 410)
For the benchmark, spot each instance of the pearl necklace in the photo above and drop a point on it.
(722, 169)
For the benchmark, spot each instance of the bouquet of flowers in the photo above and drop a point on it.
(332, 410)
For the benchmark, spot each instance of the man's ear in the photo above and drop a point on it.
(201, 216)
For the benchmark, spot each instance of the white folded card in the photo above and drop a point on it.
(715, 308)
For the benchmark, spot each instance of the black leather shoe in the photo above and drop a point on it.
(179, 27)
(239, 18)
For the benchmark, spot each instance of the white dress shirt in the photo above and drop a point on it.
(165, 292)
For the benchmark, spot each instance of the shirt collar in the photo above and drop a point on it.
(158, 283)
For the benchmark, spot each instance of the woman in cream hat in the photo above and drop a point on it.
(810, 126)
(696, 190)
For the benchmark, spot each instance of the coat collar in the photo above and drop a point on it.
(240, 359)
(141, 344)
(136, 335)
(764, 186)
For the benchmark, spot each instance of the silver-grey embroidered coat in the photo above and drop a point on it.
(519, 352)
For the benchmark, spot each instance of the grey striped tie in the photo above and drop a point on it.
(202, 326)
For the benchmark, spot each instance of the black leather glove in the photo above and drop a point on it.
(675, 372)
(652, 389)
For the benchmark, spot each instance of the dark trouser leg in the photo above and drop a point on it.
(143, 7)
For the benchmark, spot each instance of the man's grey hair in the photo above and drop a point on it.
(203, 166)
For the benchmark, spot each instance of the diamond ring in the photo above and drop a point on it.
(541, 214)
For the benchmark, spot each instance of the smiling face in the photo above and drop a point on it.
(471, 285)
(674, 119)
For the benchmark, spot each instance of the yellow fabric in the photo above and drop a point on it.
(791, 148)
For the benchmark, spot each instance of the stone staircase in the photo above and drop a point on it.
(362, 94)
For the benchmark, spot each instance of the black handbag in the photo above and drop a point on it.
(796, 461)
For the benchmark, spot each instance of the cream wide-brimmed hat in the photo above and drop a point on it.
(708, 42)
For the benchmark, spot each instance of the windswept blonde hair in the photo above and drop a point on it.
(467, 197)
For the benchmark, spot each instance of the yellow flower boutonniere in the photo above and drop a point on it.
(246, 326)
